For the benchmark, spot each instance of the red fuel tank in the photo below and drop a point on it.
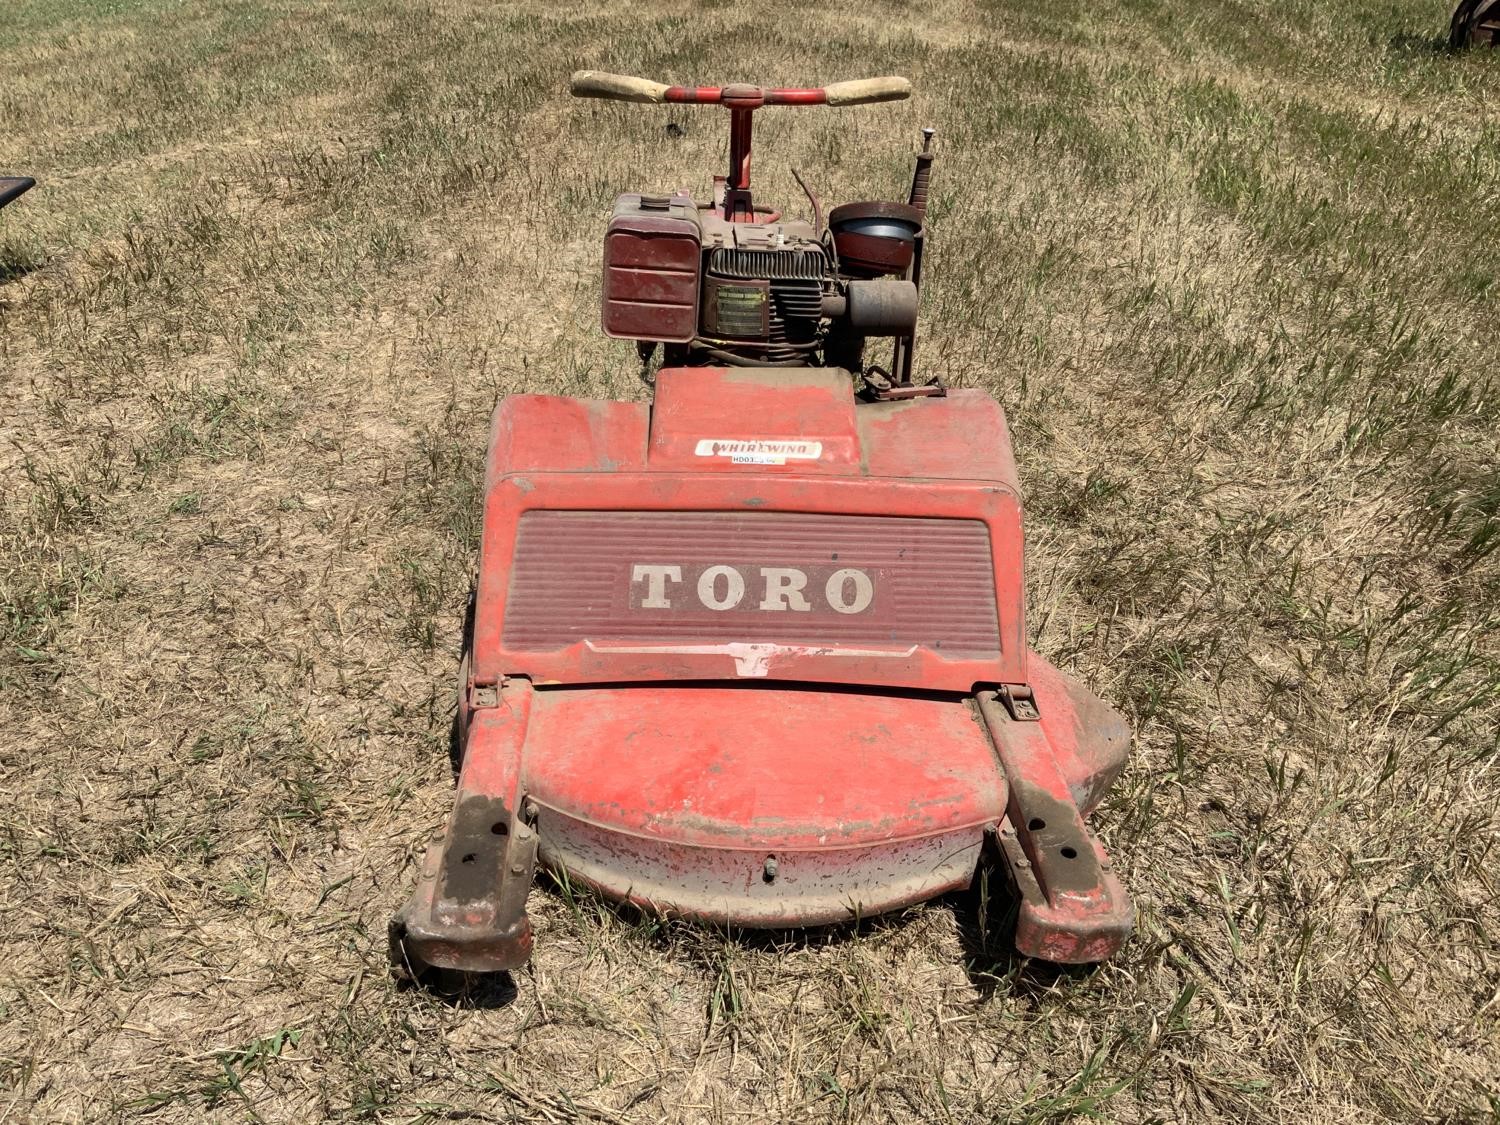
(652, 260)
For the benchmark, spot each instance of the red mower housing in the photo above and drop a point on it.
(755, 653)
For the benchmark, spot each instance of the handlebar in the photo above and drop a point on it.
(624, 88)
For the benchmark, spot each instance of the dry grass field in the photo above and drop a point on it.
(1231, 268)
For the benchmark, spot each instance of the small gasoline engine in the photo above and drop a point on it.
(732, 283)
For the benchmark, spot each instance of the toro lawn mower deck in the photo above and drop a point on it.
(754, 653)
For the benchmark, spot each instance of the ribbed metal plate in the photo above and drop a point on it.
(762, 577)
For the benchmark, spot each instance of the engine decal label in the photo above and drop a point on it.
(757, 452)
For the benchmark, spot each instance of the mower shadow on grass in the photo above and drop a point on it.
(466, 642)
(456, 989)
(16, 264)
(986, 921)
(983, 916)
(1418, 46)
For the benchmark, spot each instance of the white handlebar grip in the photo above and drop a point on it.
(863, 90)
(618, 87)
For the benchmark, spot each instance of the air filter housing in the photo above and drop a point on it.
(874, 238)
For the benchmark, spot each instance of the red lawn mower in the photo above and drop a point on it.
(753, 653)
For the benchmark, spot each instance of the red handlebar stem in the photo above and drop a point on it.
(741, 101)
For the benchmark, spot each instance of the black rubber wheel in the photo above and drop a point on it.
(1475, 23)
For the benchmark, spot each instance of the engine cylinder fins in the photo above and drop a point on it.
(787, 287)
(798, 305)
(806, 263)
(796, 309)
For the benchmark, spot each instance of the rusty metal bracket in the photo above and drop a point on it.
(879, 387)
(1020, 702)
(468, 911)
(1073, 909)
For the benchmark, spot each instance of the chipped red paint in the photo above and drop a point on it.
(747, 97)
(813, 769)
(674, 797)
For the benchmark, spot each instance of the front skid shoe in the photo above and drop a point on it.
(469, 909)
(1073, 909)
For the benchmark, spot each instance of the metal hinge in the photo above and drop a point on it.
(879, 387)
(1019, 702)
(483, 695)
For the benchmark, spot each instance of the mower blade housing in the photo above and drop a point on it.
(756, 655)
